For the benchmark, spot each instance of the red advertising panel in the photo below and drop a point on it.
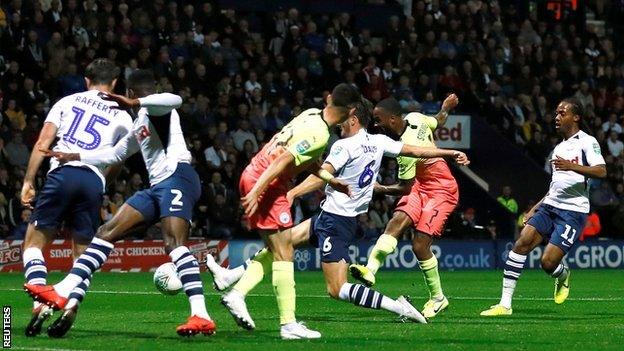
(128, 255)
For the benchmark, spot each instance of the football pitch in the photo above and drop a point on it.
(125, 312)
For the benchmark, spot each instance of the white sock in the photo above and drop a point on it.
(561, 272)
(391, 305)
(198, 306)
(511, 273)
(509, 285)
(65, 286)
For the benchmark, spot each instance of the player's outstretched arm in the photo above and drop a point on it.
(429, 152)
(124, 148)
(156, 104)
(250, 201)
(46, 137)
(310, 184)
(597, 171)
(403, 187)
(448, 104)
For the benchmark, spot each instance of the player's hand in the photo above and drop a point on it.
(340, 186)
(28, 194)
(461, 158)
(250, 203)
(450, 103)
(563, 164)
(290, 198)
(62, 157)
(124, 103)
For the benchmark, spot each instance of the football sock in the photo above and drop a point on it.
(90, 261)
(511, 273)
(384, 246)
(360, 295)
(284, 287)
(35, 270)
(429, 270)
(77, 295)
(188, 272)
(253, 275)
(561, 272)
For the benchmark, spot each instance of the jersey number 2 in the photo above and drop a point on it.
(70, 136)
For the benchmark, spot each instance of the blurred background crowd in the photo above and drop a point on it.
(244, 74)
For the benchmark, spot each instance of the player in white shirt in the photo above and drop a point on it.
(355, 160)
(175, 188)
(561, 214)
(72, 193)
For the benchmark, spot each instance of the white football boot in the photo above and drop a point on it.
(410, 312)
(298, 330)
(235, 304)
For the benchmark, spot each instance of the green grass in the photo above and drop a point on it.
(124, 312)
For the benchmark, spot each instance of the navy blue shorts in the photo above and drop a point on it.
(73, 195)
(333, 234)
(562, 226)
(173, 197)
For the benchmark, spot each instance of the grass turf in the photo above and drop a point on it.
(125, 312)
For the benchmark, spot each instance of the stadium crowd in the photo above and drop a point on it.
(244, 75)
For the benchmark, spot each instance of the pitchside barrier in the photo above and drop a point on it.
(146, 255)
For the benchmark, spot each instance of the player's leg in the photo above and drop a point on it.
(63, 324)
(439, 197)
(177, 196)
(99, 248)
(36, 272)
(568, 226)
(385, 245)
(335, 274)
(529, 239)
(248, 275)
(421, 245)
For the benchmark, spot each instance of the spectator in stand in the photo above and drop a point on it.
(16, 151)
(507, 201)
(612, 124)
(614, 145)
(19, 231)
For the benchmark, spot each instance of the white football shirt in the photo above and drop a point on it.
(357, 160)
(86, 123)
(568, 189)
(157, 133)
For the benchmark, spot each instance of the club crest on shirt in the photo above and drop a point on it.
(597, 148)
(302, 146)
(336, 150)
(284, 217)
(142, 133)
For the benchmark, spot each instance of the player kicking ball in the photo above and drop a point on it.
(264, 185)
(430, 194)
(357, 159)
(72, 193)
(175, 188)
(561, 214)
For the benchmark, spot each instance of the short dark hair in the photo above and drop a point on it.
(364, 112)
(576, 106)
(102, 71)
(391, 105)
(345, 95)
(142, 80)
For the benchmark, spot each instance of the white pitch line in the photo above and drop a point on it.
(110, 292)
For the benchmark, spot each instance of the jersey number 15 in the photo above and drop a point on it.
(70, 136)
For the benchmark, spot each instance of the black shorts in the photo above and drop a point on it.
(333, 234)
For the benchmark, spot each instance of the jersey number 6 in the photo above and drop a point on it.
(367, 176)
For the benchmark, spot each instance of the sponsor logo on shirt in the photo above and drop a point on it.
(336, 150)
(303, 146)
